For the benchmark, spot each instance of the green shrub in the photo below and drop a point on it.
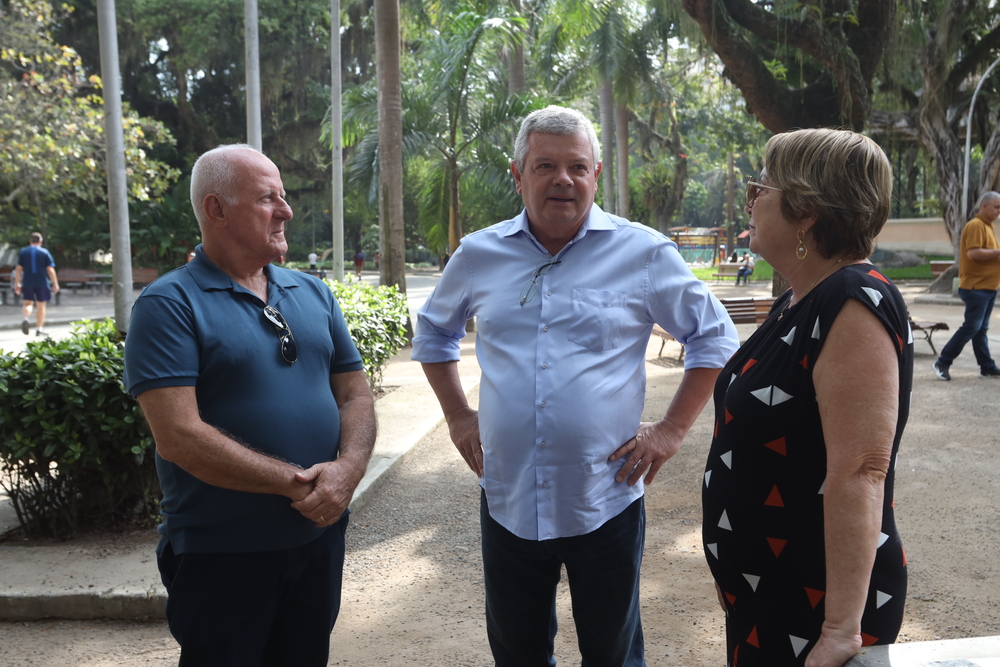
(75, 450)
(377, 319)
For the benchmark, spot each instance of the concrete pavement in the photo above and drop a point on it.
(69, 581)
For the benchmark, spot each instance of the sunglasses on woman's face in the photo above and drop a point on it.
(753, 191)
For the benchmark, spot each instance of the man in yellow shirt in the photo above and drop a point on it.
(979, 278)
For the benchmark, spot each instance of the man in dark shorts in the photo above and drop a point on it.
(35, 269)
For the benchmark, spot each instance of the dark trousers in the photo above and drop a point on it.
(266, 609)
(603, 571)
(978, 308)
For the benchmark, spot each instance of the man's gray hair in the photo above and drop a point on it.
(989, 195)
(554, 120)
(215, 173)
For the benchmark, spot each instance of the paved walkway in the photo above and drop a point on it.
(67, 581)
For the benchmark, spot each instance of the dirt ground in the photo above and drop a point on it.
(413, 585)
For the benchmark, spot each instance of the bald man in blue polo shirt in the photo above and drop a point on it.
(264, 423)
(565, 297)
(34, 273)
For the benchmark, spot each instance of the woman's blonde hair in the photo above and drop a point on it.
(841, 177)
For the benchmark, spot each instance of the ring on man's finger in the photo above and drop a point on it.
(322, 519)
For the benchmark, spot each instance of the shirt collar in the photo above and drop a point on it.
(597, 220)
(210, 277)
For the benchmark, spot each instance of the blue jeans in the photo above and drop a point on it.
(978, 308)
(262, 609)
(744, 273)
(603, 570)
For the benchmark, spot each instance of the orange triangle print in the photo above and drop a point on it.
(814, 596)
(731, 598)
(777, 445)
(805, 362)
(904, 556)
(729, 417)
(752, 639)
(868, 640)
(777, 545)
(716, 434)
(748, 366)
(774, 498)
(875, 274)
(899, 341)
(736, 655)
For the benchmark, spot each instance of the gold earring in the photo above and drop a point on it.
(801, 250)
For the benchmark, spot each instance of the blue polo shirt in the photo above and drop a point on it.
(34, 260)
(196, 327)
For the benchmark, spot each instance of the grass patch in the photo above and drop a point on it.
(762, 271)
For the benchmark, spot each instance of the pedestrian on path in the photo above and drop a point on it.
(35, 269)
(258, 456)
(979, 278)
(566, 296)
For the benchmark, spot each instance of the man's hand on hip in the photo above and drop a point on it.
(464, 430)
(646, 453)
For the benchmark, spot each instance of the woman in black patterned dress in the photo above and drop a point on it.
(798, 508)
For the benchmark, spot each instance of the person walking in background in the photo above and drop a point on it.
(798, 510)
(35, 269)
(566, 296)
(746, 268)
(264, 423)
(359, 263)
(979, 278)
(313, 258)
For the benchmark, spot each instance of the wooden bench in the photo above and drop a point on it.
(940, 266)
(927, 329)
(144, 276)
(74, 279)
(744, 310)
(726, 270)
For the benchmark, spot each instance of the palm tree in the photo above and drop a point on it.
(390, 131)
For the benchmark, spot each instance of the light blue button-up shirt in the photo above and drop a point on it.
(563, 376)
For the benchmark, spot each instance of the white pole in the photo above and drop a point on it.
(107, 32)
(336, 122)
(252, 65)
(968, 141)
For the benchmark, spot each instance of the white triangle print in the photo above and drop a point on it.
(910, 330)
(788, 339)
(882, 537)
(798, 643)
(732, 379)
(815, 333)
(714, 548)
(881, 598)
(724, 521)
(822, 489)
(763, 394)
(874, 295)
(727, 458)
(708, 476)
(778, 397)
(753, 580)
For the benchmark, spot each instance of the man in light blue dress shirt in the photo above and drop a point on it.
(565, 296)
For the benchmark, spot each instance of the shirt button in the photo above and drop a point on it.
(549, 293)
(545, 328)
(545, 485)
(544, 444)
(545, 365)
(543, 404)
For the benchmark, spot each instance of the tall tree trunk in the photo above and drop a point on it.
(515, 68)
(607, 104)
(390, 142)
(621, 147)
(454, 210)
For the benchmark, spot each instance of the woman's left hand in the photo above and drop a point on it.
(833, 649)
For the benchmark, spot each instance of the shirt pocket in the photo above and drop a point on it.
(597, 318)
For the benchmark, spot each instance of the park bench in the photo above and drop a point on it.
(75, 279)
(743, 310)
(7, 288)
(927, 329)
(726, 270)
(144, 276)
(940, 266)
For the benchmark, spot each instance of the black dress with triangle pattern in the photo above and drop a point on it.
(763, 488)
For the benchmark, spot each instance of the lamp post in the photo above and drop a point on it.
(968, 141)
